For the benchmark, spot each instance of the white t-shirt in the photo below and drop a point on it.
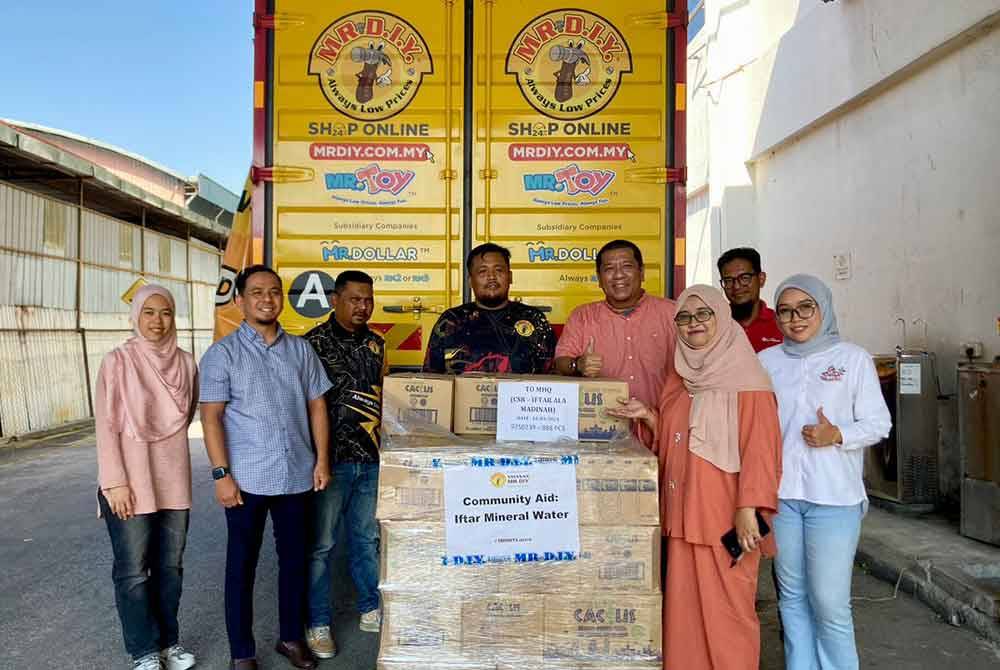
(843, 381)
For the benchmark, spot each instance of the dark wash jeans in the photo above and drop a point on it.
(350, 499)
(148, 572)
(289, 518)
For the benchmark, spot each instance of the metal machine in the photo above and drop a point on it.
(979, 436)
(903, 468)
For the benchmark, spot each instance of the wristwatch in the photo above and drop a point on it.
(574, 366)
(220, 472)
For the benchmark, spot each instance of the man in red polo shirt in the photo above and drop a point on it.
(742, 280)
(629, 335)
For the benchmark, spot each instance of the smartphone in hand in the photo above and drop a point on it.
(732, 543)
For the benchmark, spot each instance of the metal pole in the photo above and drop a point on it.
(142, 242)
(190, 284)
(79, 299)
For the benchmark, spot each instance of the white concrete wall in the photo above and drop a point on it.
(862, 127)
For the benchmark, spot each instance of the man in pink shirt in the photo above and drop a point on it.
(629, 335)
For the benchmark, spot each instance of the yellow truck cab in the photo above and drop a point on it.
(394, 136)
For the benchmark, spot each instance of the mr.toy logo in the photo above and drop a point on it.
(589, 56)
(570, 180)
(370, 64)
(371, 179)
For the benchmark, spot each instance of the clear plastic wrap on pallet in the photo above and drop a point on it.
(522, 631)
(517, 665)
(616, 480)
(595, 607)
(612, 559)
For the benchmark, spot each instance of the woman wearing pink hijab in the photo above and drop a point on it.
(145, 400)
(717, 437)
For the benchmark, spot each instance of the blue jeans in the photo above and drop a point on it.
(350, 497)
(815, 562)
(148, 573)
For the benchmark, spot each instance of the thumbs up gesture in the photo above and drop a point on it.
(823, 433)
(589, 364)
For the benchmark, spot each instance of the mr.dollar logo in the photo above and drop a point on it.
(569, 63)
(370, 64)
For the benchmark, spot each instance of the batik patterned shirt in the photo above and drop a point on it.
(354, 362)
(515, 339)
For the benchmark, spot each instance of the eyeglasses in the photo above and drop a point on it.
(741, 279)
(802, 311)
(700, 315)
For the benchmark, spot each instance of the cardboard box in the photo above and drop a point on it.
(418, 630)
(603, 629)
(616, 482)
(554, 631)
(411, 554)
(476, 404)
(412, 402)
(499, 627)
(612, 559)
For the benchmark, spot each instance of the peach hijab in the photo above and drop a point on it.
(153, 382)
(714, 376)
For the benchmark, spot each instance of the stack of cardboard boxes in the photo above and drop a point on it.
(600, 608)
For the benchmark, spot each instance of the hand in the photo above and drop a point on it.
(589, 364)
(632, 409)
(121, 500)
(227, 492)
(321, 476)
(747, 530)
(822, 434)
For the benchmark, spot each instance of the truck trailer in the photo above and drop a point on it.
(392, 137)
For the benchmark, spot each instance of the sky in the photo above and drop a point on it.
(171, 80)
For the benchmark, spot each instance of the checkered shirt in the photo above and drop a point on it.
(266, 390)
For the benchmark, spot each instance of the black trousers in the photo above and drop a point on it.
(289, 517)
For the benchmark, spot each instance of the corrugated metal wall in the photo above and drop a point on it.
(53, 337)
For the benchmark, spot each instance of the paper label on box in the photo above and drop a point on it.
(537, 411)
(909, 378)
(511, 510)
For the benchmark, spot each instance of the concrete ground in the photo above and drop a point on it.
(57, 602)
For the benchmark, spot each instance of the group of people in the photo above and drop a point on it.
(758, 417)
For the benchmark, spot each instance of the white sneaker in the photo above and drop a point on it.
(148, 662)
(320, 642)
(177, 658)
(371, 621)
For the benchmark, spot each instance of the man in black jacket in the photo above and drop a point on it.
(354, 358)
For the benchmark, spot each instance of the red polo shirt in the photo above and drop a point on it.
(763, 331)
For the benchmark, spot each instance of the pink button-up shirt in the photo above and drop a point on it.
(637, 348)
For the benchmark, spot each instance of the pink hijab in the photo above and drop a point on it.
(154, 381)
(714, 376)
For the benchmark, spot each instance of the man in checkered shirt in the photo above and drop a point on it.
(262, 406)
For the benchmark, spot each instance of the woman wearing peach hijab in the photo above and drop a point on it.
(144, 403)
(717, 438)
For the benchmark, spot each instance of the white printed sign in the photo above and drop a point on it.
(540, 411)
(511, 510)
(909, 378)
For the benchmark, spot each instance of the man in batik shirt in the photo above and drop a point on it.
(354, 359)
(492, 333)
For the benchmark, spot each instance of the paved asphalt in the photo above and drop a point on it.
(57, 602)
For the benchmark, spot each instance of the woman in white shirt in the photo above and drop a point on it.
(831, 407)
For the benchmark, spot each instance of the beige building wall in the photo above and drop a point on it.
(858, 133)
